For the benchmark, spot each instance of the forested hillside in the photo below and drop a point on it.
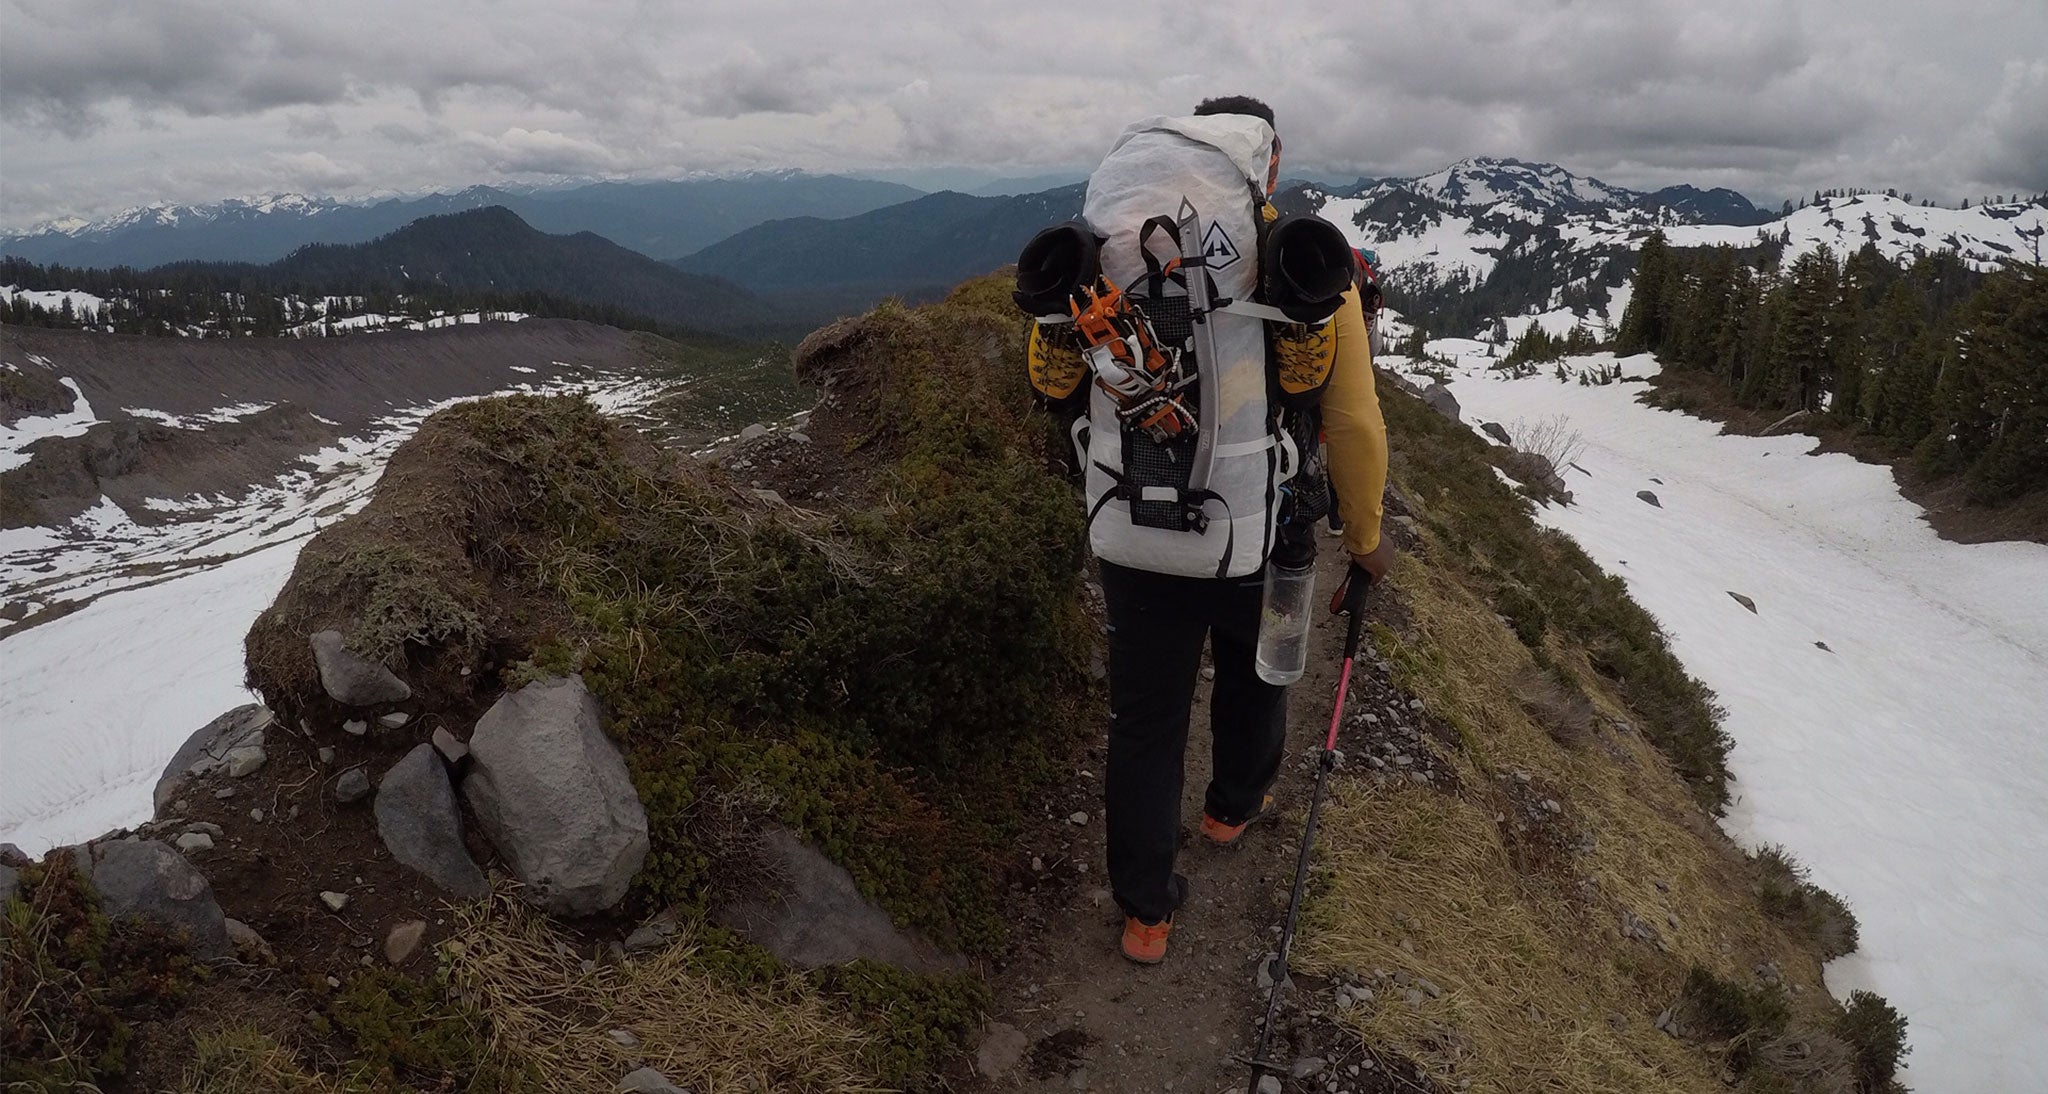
(1931, 359)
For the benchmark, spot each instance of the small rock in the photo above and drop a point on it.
(624, 1038)
(1415, 997)
(326, 754)
(224, 793)
(1308, 1065)
(355, 727)
(1414, 704)
(353, 786)
(651, 934)
(403, 940)
(245, 761)
(1822, 646)
(1269, 1084)
(1744, 601)
(1265, 973)
(1650, 498)
(394, 720)
(1429, 987)
(247, 942)
(646, 1080)
(207, 827)
(452, 750)
(754, 432)
(334, 901)
(1002, 1047)
(193, 841)
(1208, 672)
(256, 815)
(800, 438)
(352, 679)
(1078, 819)
(1550, 805)
(1078, 1079)
(1662, 885)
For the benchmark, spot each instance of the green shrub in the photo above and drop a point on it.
(73, 982)
(1745, 1017)
(1877, 1032)
(1812, 912)
(919, 1020)
(409, 1029)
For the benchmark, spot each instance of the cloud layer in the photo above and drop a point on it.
(109, 103)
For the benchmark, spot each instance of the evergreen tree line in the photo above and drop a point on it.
(1934, 358)
(241, 300)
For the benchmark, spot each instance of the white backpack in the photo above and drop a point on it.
(1192, 187)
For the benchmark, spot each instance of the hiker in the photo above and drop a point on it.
(1194, 480)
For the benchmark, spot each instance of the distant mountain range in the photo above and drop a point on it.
(778, 253)
(654, 218)
(917, 249)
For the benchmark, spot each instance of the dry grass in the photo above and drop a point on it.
(245, 1061)
(552, 1015)
(1541, 993)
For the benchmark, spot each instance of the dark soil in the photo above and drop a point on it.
(1948, 509)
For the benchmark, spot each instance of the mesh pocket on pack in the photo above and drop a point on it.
(1148, 463)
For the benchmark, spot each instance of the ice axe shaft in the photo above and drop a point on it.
(1350, 599)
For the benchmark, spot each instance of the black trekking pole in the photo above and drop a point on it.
(1350, 600)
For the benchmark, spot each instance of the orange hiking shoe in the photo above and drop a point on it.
(1223, 835)
(1145, 942)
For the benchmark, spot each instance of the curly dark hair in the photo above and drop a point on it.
(1236, 104)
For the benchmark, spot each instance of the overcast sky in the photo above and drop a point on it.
(106, 104)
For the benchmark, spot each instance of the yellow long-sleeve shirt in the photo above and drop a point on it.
(1354, 434)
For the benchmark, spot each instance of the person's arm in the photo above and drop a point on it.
(1356, 436)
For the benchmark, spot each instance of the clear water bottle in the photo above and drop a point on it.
(1284, 614)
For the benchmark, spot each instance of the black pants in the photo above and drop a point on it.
(1157, 624)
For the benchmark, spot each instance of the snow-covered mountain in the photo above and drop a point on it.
(1487, 237)
(658, 219)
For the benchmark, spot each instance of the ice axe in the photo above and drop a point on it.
(1350, 600)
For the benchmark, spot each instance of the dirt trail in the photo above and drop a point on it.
(1095, 1022)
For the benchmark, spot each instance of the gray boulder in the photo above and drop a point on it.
(421, 826)
(1743, 600)
(210, 748)
(553, 796)
(815, 915)
(1649, 498)
(1441, 400)
(146, 879)
(1494, 430)
(351, 679)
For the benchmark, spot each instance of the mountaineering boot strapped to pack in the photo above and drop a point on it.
(1198, 324)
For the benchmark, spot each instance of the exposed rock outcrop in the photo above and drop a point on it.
(1441, 400)
(553, 796)
(816, 916)
(233, 739)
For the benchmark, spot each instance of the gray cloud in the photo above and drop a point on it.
(107, 103)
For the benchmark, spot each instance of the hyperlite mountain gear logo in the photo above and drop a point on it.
(1217, 248)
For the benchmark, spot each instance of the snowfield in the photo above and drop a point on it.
(1904, 762)
(94, 703)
